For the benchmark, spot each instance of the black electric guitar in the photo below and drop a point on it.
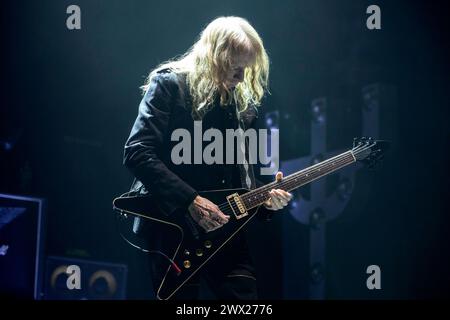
(192, 247)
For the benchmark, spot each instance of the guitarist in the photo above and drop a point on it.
(220, 81)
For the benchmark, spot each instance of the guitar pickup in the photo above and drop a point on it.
(237, 205)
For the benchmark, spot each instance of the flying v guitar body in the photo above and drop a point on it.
(187, 244)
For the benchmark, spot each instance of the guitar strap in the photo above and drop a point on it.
(245, 168)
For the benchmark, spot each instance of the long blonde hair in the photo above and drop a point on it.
(206, 64)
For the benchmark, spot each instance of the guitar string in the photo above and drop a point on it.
(290, 182)
(226, 208)
(291, 178)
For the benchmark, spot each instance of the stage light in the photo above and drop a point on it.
(316, 218)
(6, 145)
(317, 273)
(370, 96)
(293, 204)
(272, 120)
(318, 108)
(296, 199)
(316, 159)
(3, 249)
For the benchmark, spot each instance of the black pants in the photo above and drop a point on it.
(229, 275)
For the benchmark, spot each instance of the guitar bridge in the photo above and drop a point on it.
(237, 205)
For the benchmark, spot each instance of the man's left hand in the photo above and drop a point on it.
(278, 197)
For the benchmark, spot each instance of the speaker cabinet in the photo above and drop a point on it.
(84, 280)
(22, 221)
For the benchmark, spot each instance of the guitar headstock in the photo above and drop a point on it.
(368, 150)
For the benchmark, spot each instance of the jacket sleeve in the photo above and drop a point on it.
(145, 144)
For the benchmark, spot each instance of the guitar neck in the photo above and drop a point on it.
(258, 196)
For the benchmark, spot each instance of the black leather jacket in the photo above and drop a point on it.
(165, 107)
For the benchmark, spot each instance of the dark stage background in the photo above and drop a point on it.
(69, 98)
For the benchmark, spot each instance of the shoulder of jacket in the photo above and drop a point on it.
(167, 76)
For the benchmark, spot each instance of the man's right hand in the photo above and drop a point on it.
(207, 214)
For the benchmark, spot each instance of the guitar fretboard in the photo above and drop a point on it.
(258, 196)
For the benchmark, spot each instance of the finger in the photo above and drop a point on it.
(215, 224)
(216, 217)
(214, 209)
(219, 215)
(282, 200)
(197, 215)
(202, 223)
(279, 176)
(286, 194)
(222, 219)
(274, 198)
(276, 203)
(207, 205)
(282, 195)
(268, 203)
(204, 213)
